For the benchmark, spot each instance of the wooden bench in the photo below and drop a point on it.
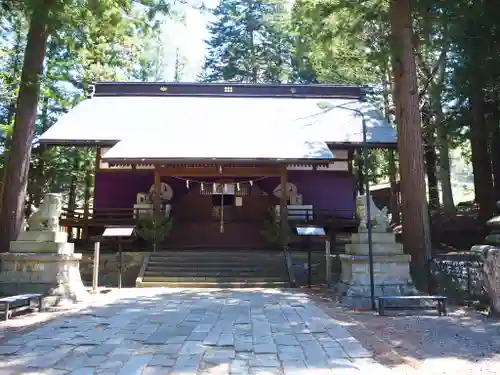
(21, 302)
(441, 303)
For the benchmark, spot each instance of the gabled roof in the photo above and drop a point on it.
(124, 112)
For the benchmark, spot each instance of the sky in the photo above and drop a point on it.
(188, 35)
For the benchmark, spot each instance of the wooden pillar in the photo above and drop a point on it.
(284, 206)
(97, 168)
(87, 197)
(157, 189)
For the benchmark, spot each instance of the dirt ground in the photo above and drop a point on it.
(423, 343)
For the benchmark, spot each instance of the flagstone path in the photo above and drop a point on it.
(168, 331)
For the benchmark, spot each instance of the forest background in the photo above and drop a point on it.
(51, 54)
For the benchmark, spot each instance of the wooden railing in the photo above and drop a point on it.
(100, 216)
(125, 216)
(81, 228)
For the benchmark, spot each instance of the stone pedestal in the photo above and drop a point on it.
(43, 262)
(391, 269)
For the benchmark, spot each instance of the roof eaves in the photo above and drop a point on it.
(77, 142)
(353, 145)
(256, 161)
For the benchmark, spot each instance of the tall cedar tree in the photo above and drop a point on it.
(16, 176)
(416, 233)
(248, 42)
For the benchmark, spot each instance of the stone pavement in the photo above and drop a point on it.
(197, 331)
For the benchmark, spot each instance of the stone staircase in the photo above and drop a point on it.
(214, 269)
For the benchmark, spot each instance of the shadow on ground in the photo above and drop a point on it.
(186, 331)
(463, 338)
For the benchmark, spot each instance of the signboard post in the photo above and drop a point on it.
(95, 273)
(328, 264)
(119, 233)
(311, 232)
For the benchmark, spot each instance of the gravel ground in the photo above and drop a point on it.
(463, 342)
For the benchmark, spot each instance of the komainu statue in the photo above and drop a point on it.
(46, 217)
(379, 218)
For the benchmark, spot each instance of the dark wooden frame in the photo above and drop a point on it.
(228, 89)
(441, 303)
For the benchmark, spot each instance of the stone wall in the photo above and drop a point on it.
(109, 267)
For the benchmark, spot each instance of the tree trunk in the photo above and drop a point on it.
(394, 201)
(39, 180)
(430, 159)
(73, 190)
(178, 67)
(442, 138)
(394, 187)
(481, 161)
(360, 171)
(415, 215)
(431, 171)
(16, 181)
(495, 159)
(16, 67)
(14, 79)
(444, 158)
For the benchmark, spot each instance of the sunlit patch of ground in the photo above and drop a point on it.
(463, 342)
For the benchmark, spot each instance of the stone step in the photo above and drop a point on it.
(173, 273)
(210, 263)
(215, 272)
(213, 284)
(235, 270)
(214, 258)
(218, 267)
(216, 253)
(203, 265)
(212, 278)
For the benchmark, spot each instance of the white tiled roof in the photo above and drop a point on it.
(203, 145)
(237, 120)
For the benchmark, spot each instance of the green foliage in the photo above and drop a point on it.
(154, 228)
(342, 42)
(248, 42)
(89, 41)
(272, 232)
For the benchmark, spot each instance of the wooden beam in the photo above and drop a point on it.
(157, 189)
(215, 171)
